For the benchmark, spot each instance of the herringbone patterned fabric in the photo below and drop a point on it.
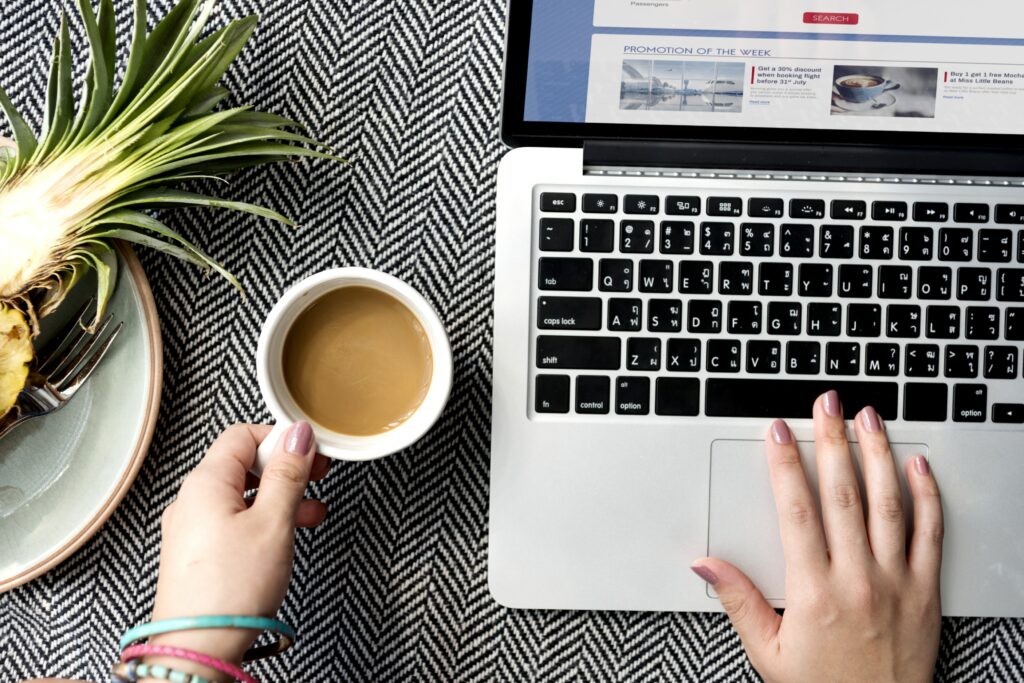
(393, 586)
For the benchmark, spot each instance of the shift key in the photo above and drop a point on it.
(579, 353)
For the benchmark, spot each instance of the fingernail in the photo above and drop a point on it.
(705, 573)
(832, 406)
(921, 465)
(300, 439)
(870, 420)
(781, 434)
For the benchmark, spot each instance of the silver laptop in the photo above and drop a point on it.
(709, 217)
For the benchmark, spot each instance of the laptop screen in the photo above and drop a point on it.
(826, 65)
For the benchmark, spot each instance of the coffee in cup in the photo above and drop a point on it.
(860, 81)
(357, 361)
(358, 354)
(863, 87)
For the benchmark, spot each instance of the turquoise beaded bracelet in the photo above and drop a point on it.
(134, 671)
(155, 628)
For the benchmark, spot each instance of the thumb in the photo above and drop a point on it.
(754, 619)
(283, 482)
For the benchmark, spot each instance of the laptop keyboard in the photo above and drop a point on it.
(686, 305)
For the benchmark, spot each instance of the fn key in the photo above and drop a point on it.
(551, 394)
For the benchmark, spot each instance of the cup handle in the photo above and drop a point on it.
(890, 85)
(266, 448)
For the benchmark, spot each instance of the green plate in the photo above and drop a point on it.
(62, 476)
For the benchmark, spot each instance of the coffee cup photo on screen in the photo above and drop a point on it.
(862, 90)
(673, 85)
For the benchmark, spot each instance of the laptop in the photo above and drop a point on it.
(706, 219)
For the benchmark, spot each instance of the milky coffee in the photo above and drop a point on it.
(357, 361)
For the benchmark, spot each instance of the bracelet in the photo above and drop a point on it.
(133, 671)
(154, 628)
(131, 655)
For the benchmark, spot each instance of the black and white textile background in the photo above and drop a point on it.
(393, 587)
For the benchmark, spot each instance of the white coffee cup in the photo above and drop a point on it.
(269, 368)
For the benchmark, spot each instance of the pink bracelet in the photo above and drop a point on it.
(147, 650)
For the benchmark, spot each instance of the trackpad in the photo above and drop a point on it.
(743, 527)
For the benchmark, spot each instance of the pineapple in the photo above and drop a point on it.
(98, 168)
(15, 355)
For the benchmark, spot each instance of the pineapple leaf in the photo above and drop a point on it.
(261, 149)
(227, 48)
(238, 139)
(99, 77)
(64, 105)
(137, 219)
(103, 259)
(108, 36)
(22, 133)
(160, 46)
(51, 89)
(259, 118)
(176, 198)
(136, 57)
(159, 245)
(205, 104)
(168, 139)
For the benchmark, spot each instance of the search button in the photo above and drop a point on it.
(837, 18)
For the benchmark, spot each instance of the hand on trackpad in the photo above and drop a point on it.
(743, 526)
(862, 594)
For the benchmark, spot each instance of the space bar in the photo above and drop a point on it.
(794, 398)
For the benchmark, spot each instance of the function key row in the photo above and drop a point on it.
(763, 398)
(771, 357)
(773, 278)
(774, 207)
(795, 240)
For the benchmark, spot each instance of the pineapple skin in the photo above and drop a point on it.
(15, 356)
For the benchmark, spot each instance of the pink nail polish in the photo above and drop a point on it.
(781, 434)
(300, 439)
(870, 420)
(706, 574)
(921, 465)
(832, 405)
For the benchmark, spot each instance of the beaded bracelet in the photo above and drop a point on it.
(136, 652)
(134, 671)
(154, 628)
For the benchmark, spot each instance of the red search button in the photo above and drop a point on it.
(840, 18)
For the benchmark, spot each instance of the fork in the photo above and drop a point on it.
(63, 369)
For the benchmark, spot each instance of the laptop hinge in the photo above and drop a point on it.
(804, 158)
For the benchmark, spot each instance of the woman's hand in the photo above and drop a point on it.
(225, 554)
(861, 604)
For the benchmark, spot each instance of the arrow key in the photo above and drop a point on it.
(1010, 413)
